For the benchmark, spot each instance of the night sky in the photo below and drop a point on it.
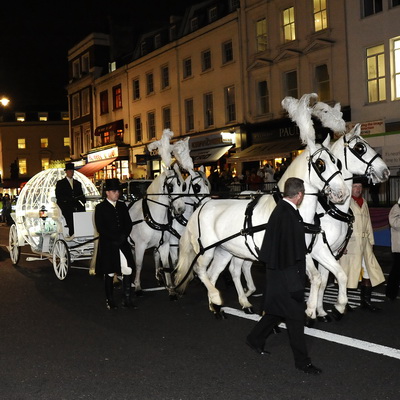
(35, 37)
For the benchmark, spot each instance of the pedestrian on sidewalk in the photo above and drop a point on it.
(393, 282)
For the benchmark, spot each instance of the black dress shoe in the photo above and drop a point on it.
(310, 369)
(257, 349)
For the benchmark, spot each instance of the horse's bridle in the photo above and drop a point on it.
(358, 150)
(319, 166)
(168, 186)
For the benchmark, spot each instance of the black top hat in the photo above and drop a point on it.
(113, 184)
(360, 179)
(69, 166)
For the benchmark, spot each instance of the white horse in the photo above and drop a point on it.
(198, 189)
(152, 219)
(226, 223)
(357, 158)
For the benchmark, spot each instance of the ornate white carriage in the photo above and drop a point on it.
(38, 222)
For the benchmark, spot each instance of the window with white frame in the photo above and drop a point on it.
(151, 125)
(371, 7)
(189, 115)
(376, 74)
(322, 82)
(208, 110)
(227, 52)
(205, 60)
(261, 34)
(137, 126)
(187, 67)
(85, 102)
(164, 76)
(136, 89)
(166, 116)
(194, 24)
(76, 106)
(291, 84)
(289, 28)
(150, 83)
(262, 97)
(396, 65)
(320, 15)
(230, 104)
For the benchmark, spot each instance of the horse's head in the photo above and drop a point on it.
(198, 184)
(174, 186)
(324, 172)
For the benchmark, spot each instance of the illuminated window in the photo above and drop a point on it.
(21, 144)
(106, 137)
(289, 29)
(117, 97)
(320, 15)
(66, 142)
(376, 74)
(43, 117)
(22, 166)
(261, 34)
(20, 117)
(65, 116)
(45, 163)
(396, 64)
(44, 143)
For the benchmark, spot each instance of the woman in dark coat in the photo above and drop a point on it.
(283, 251)
(114, 254)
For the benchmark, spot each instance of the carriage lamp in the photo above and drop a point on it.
(43, 213)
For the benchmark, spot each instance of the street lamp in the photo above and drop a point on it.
(4, 101)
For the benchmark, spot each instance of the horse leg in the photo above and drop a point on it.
(166, 271)
(138, 254)
(235, 269)
(322, 315)
(246, 270)
(315, 282)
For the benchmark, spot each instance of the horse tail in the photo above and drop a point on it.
(184, 268)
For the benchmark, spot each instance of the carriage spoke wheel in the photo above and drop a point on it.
(61, 259)
(15, 250)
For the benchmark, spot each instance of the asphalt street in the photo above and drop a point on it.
(58, 341)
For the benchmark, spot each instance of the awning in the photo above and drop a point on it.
(112, 126)
(91, 168)
(258, 152)
(205, 156)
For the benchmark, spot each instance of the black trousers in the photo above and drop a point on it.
(295, 330)
(393, 282)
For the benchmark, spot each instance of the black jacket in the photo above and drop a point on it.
(114, 225)
(68, 199)
(283, 251)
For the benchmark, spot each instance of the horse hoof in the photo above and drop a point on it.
(248, 310)
(336, 314)
(324, 318)
(310, 322)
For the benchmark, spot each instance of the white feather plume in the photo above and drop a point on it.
(163, 146)
(181, 152)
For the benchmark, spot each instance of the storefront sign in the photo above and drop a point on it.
(103, 154)
(391, 155)
(369, 128)
(205, 142)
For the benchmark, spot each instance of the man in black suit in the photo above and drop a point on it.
(114, 254)
(70, 197)
(283, 251)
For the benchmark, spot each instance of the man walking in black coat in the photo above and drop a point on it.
(114, 255)
(283, 251)
(70, 197)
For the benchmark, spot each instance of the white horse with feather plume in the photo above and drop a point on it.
(226, 223)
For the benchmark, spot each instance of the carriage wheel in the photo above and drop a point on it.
(61, 259)
(15, 250)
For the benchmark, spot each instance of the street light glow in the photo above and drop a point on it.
(4, 101)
